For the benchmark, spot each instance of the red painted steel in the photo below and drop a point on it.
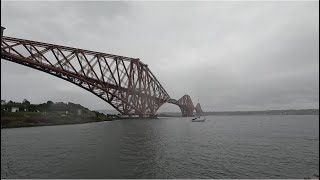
(186, 105)
(125, 83)
(198, 109)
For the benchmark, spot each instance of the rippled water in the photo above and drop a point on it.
(221, 147)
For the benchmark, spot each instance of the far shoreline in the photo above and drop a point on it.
(249, 113)
(115, 119)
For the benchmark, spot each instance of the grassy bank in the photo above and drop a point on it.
(29, 119)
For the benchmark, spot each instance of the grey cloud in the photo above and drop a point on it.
(229, 55)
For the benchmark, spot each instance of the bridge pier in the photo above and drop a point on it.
(153, 116)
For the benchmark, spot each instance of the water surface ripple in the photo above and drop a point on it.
(222, 147)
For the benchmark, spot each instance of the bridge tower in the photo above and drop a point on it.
(185, 104)
(198, 109)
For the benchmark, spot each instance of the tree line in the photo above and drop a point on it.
(25, 105)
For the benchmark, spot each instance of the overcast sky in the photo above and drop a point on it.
(227, 55)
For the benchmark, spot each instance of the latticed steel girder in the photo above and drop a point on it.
(198, 109)
(186, 105)
(125, 83)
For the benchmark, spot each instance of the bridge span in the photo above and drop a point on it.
(126, 83)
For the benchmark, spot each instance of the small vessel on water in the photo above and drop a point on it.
(199, 119)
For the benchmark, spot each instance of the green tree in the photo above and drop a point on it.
(49, 103)
(25, 102)
(10, 103)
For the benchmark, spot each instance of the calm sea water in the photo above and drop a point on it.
(221, 147)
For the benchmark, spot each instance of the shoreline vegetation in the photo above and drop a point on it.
(25, 114)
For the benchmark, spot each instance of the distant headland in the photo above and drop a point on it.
(238, 113)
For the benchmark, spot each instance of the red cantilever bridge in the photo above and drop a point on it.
(125, 83)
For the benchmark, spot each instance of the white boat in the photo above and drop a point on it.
(199, 119)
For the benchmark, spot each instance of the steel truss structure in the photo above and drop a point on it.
(186, 105)
(125, 83)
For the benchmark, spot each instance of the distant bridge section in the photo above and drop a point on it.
(186, 105)
(198, 109)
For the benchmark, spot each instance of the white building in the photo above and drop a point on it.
(14, 109)
(79, 112)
